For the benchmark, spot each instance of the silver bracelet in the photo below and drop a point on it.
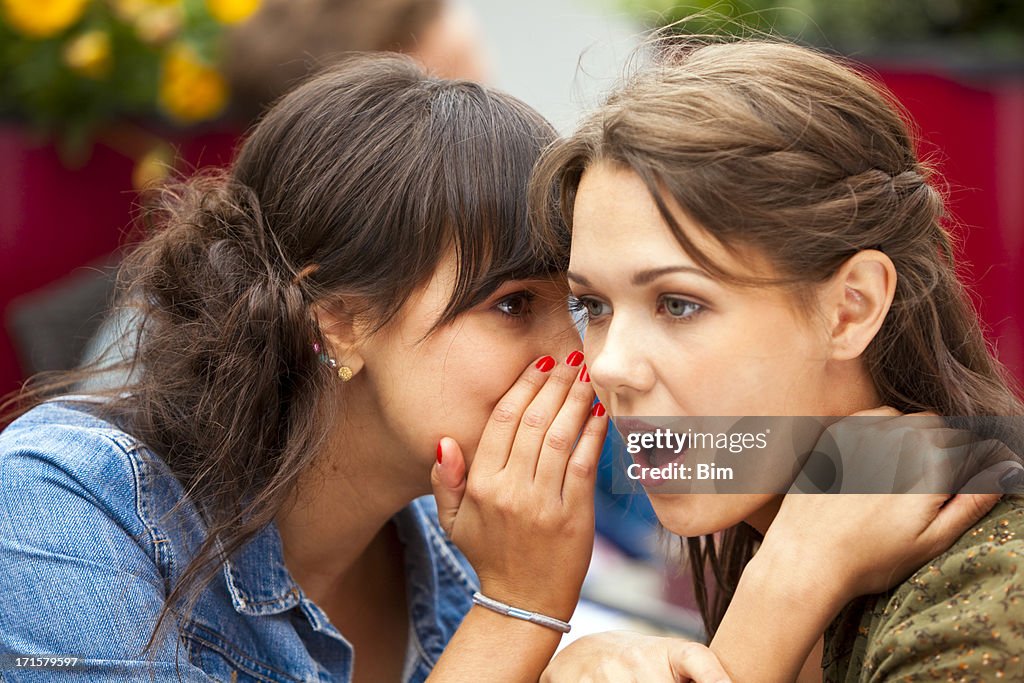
(510, 611)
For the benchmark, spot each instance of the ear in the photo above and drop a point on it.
(342, 334)
(857, 299)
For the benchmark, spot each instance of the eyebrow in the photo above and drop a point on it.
(645, 277)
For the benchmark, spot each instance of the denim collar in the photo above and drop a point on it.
(439, 586)
(257, 580)
(260, 584)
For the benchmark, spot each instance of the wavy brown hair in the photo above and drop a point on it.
(802, 157)
(348, 195)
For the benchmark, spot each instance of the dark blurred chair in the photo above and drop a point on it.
(51, 327)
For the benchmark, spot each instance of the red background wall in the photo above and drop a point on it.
(973, 125)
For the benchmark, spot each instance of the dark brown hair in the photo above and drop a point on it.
(795, 154)
(348, 194)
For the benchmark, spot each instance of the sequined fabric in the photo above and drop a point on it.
(959, 618)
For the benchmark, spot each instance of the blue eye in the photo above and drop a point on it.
(681, 309)
(592, 308)
(516, 305)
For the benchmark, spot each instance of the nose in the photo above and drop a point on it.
(617, 357)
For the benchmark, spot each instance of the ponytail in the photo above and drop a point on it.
(232, 392)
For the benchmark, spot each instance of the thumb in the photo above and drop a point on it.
(960, 513)
(690, 661)
(1003, 477)
(448, 479)
(976, 498)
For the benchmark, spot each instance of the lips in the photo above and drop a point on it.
(651, 456)
(633, 425)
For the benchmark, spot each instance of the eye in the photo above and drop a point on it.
(516, 305)
(678, 308)
(593, 308)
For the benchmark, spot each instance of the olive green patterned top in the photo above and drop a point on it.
(959, 618)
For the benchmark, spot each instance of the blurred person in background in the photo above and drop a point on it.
(286, 41)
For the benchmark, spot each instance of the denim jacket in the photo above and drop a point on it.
(88, 555)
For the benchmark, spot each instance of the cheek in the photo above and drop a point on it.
(788, 373)
(470, 383)
(748, 365)
(467, 393)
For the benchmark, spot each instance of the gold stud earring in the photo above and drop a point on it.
(344, 372)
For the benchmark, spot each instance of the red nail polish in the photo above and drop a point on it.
(574, 359)
(598, 410)
(545, 364)
(584, 375)
(438, 452)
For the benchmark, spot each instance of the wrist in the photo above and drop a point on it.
(506, 650)
(557, 606)
(791, 577)
(518, 613)
(524, 633)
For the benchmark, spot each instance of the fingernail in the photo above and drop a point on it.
(584, 375)
(1011, 480)
(438, 452)
(574, 359)
(598, 410)
(545, 364)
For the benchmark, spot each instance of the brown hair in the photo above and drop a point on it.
(796, 154)
(286, 40)
(348, 194)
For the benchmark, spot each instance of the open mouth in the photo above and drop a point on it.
(664, 455)
(653, 447)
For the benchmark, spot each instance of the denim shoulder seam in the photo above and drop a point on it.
(160, 551)
(126, 446)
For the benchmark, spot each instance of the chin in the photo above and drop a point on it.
(697, 514)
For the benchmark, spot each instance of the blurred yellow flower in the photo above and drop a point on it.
(232, 11)
(153, 168)
(190, 90)
(130, 10)
(89, 54)
(42, 18)
(160, 23)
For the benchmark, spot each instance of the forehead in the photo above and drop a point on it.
(613, 203)
(434, 294)
(616, 221)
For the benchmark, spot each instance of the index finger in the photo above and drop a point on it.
(500, 431)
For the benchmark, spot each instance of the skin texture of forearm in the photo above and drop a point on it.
(492, 647)
(773, 623)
